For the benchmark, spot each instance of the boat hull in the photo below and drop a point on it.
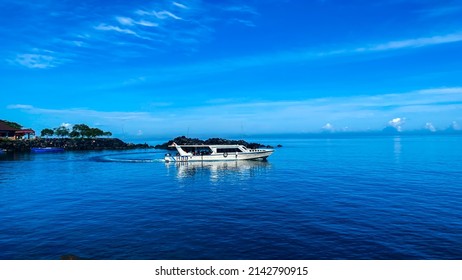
(261, 155)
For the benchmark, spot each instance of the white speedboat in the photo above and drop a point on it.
(186, 153)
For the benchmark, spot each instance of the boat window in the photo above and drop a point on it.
(197, 151)
(229, 150)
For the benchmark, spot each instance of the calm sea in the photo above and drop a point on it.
(343, 198)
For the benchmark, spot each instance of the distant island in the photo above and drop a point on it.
(183, 140)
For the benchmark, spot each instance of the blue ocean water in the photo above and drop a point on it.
(396, 197)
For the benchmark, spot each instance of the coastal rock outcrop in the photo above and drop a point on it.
(70, 144)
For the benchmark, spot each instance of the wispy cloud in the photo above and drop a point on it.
(418, 108)
(297, 56)
(84, 32)
(125, 20)
(241, 9)
(245, 22)
(88, 113)
(37, 60)
(110, 119)
(179, 5)
(165, 14)
(105, 27)
(20, 106)
(373, 48)
(130, 22)
(175, 26)
(356, 112)
(242, 14)
(159, 15)
(414, 43)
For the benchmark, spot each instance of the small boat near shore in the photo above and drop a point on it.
(47, 150)
(187, 153)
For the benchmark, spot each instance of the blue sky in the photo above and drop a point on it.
(167, 68)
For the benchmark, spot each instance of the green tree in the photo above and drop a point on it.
(46, 132)
(82, 129)
(62, 131)
(96, 132)
(74, 134)
(107, 133)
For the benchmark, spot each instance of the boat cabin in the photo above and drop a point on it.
(197, 150)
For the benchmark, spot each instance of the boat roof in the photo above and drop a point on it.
(203, 146)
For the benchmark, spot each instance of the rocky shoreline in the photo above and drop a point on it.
(89, 144)
(70, 144)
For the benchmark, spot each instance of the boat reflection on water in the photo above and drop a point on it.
(217, 170)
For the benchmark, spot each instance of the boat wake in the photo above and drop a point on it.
(129, 158)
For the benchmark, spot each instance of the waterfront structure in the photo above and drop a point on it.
(9, 132)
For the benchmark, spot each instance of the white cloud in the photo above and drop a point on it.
(164, 14)
(455, 126)
(78, 43)
(358, 112)
(85, 113)
(397, 123)
(129, 122)
(147, 23)
(125, 20)
(20, 106)
(381, 47)
(241, 9)
(131, 22)
(452, 90)
(416, 43)
(66, 125)
(105, 27)
(198, 23)
(39, 61)
(429, 126)
(160, 15)
(235, 63)
(328, 127)
(243, 22)
(179, 5)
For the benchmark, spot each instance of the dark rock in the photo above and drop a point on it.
(70, 144)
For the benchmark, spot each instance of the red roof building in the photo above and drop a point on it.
(23, 132)
(7, 131)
